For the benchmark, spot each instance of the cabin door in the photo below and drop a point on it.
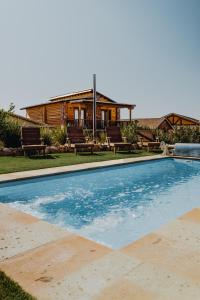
(103, 118)
(108, 117)
(82, 117)
(76, 117)
(79, 117)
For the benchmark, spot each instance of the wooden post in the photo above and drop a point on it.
(130, 114)
(94, 105)
(62, 116)
(116, 119)
(79, 116)
(44, 114)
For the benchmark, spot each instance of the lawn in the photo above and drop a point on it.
(10, 164)
(10, 290)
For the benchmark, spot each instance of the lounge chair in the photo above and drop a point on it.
(153, 147)
(31, 140)
(115, 140)
(77, 141)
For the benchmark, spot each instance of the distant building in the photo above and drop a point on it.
(167, 122)
(148, 126)
(22, 120)
(76, 109)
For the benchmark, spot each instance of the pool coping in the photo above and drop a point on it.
(22, 175)
(8, 177)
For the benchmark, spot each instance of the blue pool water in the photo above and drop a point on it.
(114, 205)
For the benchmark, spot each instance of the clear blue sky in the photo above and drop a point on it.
(145, 52)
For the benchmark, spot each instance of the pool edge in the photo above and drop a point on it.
(15, 176)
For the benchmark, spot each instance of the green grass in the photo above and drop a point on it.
(14, 164)
(10, 290)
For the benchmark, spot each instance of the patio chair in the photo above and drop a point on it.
(115, 140)
(31, 140)
(77, 141)
(153, 147)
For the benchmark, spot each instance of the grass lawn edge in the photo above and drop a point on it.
(11, 290)
(10, 164)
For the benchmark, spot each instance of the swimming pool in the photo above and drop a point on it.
(113, 205)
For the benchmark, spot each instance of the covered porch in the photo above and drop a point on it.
(107, 114)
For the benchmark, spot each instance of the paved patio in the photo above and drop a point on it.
(52, 263)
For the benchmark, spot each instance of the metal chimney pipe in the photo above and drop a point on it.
(94, 105)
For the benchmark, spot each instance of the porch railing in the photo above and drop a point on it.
(100, 124)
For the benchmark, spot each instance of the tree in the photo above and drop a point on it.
(11, 108)
(9, 130)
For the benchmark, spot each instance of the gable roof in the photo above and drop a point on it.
(70, 97)
(78, 93)
(154, 123)
(182, 117)
(151, 123)
(22, 118)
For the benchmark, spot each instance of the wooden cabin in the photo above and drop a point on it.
(180, 120)
(167, 122)
(148, 126)
(76, 109)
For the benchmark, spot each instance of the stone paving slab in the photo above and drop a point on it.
(192, 215)
(163, 265)
(20, 232)
(44, 271)
(171, 258)
(126, 290)
(164, 284)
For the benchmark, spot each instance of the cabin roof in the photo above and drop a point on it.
(66, 96)
(70, 97)
(151, 123)
(70, 94)
(16, 116)
(182, 117)
(154, 123)
(90, 100)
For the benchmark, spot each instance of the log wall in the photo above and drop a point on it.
(55, 114)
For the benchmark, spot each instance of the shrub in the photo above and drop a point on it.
(102, 137)
(3, 123)
(164, 136)
(12, 135)
(59, 136)
(88, 134)
(182, 134)
(1, 144)
(46, 135)
(130, 132)
(196, 134)
(9, 131)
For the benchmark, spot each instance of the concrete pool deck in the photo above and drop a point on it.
(52, 263)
